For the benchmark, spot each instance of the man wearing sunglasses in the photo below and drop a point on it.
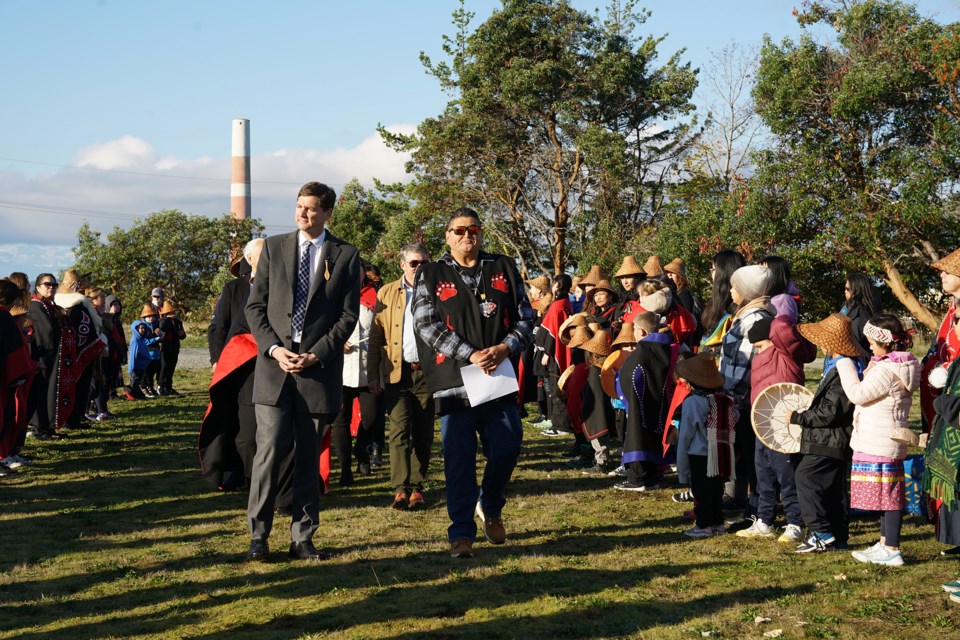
(393, 368)
(470, 307)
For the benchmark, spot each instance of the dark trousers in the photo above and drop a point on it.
(410, 408)
(707, 493)
(890, 523)
(558, 408)
(744, 486)
(823, 495)
(82, 398)
(150, 374)
(775, 475)
(281, 429)
(542, 404)
(645, 473)
(371, 413)
(168, 364)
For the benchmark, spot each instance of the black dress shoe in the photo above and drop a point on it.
(306, 551)
(258, 550)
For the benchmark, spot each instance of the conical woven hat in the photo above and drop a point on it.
(608, 372)
(949, 263)
(570, 324)
(625, 337)
(540, 282)
(599, 344)
(833, 334)
(629, 267)
(653, 266)
(562, 382)
(701, 370)
(677, 266)
(594, 277)
(543, 303)
(167, 308)
(70, 282)
(581, 335)
(148, 310)
(603, 285)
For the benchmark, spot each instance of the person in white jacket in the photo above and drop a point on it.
(880, 431)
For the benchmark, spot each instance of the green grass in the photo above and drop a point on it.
(112, 533)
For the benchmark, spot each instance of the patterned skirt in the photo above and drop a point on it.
(877, 483)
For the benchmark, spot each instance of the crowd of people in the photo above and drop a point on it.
(315, 357)
(64, 347)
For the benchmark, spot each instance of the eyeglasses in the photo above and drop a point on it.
(48, 284)
(413, 264)
(473, 230)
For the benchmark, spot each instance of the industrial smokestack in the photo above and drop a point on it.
(240, 178)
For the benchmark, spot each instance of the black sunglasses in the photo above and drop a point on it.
(473, 230)
(413, 264)
(48, 284)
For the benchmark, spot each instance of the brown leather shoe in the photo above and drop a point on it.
(461, 548)
(416, 502)
(400, 502)
(493, 529)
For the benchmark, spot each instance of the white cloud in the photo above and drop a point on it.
(126, 153)
(117, 181)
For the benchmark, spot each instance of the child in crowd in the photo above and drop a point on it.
(144, 351)
(646, 383)
(821, 466)
(708, 417)
(173, 333)
(781, 354)
(596, 412)
(882, 402)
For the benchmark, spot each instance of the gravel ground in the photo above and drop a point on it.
(194, 358)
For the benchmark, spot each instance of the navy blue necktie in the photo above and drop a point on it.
(303, 287)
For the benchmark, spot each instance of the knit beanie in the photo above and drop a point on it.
(760, 330)
(751, 281)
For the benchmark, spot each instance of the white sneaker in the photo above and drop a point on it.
(20, 459)
(758, 529)
(791, 533)
(619, 471)
(10, 463)
(867, 555)
(888, 557)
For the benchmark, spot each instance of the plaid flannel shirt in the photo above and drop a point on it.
(437, 336)
(737, 353)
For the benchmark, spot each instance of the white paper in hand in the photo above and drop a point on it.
(484, 388)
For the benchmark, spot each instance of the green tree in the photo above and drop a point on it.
(865, 164)
(560, 127)
(184, 254)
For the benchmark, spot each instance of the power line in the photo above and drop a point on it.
(164, 175)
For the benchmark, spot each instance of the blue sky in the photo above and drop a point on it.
(112, 109)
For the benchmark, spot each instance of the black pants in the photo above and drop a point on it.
(822, 491)
(707, 493)
(150, 374)
(558, 408)
(168, 364)
(644, 473)
(82, 398)
(371, 411)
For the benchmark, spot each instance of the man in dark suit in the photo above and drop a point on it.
(303, 306)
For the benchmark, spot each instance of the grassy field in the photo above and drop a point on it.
(112, 533)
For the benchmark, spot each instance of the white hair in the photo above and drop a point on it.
(252, 247)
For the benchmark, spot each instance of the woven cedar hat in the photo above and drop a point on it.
(581, 335)
(148, 311)
(71, 282)
(625, 337)
(603, 285)
(562, 382)
(653, 266)
(599, 344)
(608, 372)
(541, 304)
(629, 267)
(167, 308)
(833, 334)
(594, 277)
(570, 324)
(540, 282)
(700, 370)
(677, 266)
(949, 263)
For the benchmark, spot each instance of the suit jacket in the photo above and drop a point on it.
(333, 307)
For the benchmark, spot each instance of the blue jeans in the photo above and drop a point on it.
(498, 425)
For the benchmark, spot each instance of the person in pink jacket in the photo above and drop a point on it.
(781, 354)
(880, 431)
